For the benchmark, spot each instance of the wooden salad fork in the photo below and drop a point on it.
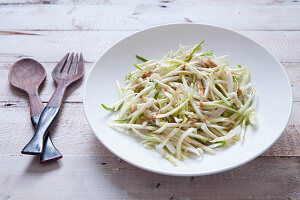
(67, 71)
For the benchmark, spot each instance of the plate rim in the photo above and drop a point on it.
(187, 174)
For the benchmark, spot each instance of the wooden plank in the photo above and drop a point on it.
(289, 141)
(163, 2)
(50, 46)
(74, 94)
(293, 72)
(74, 137)
(135, 15)
(107, 178)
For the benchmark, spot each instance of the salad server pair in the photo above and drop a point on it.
(28, 75)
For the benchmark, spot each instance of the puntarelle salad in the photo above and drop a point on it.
(189, 102)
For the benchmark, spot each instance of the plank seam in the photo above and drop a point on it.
(124, 30)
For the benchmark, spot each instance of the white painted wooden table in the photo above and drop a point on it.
(46, 30)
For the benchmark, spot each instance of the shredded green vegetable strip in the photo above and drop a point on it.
(141, 58)
(189, 102)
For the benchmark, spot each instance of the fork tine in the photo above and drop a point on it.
(73, 67)
(80, 68)
(68, 64)
(60, 65)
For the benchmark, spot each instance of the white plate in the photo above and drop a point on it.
(268, 76)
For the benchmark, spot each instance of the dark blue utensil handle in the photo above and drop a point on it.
(35, 146)
(49, 151)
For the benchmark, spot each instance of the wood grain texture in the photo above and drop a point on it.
(50, 46)
(73, 136)
(121, 2)
(139, 14)
(107, 178)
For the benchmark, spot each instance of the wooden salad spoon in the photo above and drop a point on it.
(27, 75)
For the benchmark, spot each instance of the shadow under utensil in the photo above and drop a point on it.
(35, 167)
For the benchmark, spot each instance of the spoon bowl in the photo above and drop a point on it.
(27, 74)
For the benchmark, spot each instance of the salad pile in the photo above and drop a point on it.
(189, 102)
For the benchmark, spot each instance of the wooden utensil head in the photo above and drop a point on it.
(27, 74)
